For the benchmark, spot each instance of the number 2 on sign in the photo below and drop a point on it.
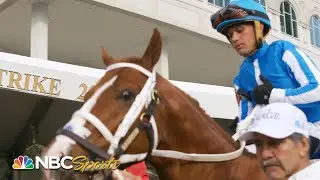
(84, 91)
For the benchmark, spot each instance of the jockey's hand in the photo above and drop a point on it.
(261, 93)
(125, 175)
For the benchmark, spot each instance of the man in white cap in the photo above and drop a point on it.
(280, 133)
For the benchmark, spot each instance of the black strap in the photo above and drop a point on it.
(257, 13)
(148, 126)
(150, 135)
(86, 144)
(141, 126)
(151, 107)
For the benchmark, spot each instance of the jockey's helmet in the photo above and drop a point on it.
(238, 11)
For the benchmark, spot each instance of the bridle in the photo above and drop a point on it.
(75, 131)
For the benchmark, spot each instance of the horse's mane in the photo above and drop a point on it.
(211, 122)
(194, 101)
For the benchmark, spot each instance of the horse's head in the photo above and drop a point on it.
(117, 113)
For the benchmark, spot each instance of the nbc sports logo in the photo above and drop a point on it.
(54, 162)
(48, 162)
(23, 162)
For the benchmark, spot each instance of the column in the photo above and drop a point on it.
(39, 21)
(39, 29)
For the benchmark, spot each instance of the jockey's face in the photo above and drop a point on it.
(242, 38)
(281, 158)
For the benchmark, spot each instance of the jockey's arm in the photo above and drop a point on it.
(306, 74)
(245, 108)
(245, 105)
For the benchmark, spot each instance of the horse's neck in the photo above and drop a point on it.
(183, 126)
(187, 127)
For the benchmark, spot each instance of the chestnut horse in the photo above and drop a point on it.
(134, 114)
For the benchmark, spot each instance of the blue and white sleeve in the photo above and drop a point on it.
(306, 74)
(245, 106)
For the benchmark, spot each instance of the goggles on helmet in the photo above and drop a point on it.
(232, 11)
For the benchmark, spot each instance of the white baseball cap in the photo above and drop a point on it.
(277, 120)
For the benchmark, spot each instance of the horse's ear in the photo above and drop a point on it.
(107, 59)
(152, 54)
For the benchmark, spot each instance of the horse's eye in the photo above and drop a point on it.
(127, 95)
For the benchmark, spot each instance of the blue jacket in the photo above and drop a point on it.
(294, 77)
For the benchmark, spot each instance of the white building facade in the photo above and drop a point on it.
(50, 49)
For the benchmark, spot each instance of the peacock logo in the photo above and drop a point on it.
(23, 162)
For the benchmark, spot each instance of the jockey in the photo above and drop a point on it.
(276, 72)
(283, 150)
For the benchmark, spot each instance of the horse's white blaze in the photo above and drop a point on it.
(87, 107)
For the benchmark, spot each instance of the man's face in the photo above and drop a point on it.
(279, 158)
(242, 38)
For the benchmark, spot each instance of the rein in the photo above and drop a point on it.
(75, 131)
